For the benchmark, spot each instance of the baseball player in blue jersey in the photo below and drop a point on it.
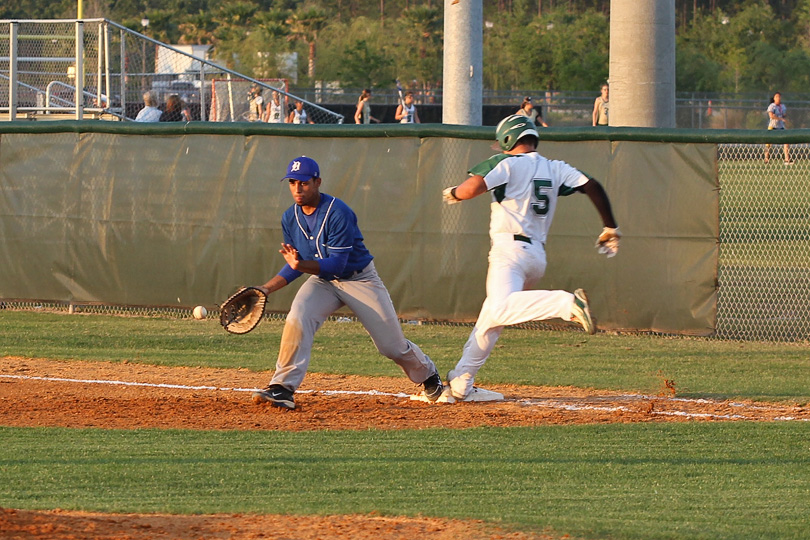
(524, 187)
(321, 238)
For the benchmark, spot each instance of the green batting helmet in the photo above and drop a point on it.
(511, 129)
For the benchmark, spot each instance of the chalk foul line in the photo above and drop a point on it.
(539, 403)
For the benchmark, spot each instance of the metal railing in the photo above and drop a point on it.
(113, 66)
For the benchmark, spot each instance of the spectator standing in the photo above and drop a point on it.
(150, 111)
(406, 111)
(777, 116)
(298, 115)
(274, 113)
(600, 108)
(256, 102)
(527, 109)
(363, 113)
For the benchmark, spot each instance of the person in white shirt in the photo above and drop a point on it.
(524, 187)
(406, 111)
(150, 112)
(274, 114)
(298, 115)
(777, 116)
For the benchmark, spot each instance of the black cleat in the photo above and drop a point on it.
(276, 395)
(433, 387)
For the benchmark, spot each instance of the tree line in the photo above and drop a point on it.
(722, 45)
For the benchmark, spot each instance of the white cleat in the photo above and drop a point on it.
(476, 394)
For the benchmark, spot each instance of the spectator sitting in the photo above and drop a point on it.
(150, 112)
(174, 111)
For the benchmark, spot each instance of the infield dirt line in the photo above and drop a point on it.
(570, 404)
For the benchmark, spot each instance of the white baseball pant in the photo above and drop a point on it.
(514, 266)
(365, 294)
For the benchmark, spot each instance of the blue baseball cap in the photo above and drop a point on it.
(303, 169)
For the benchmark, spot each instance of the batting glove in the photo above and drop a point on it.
(608, 241)
(449, 195)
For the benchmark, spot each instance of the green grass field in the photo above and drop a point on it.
(764, 257)
(688, 480)
(638, 363)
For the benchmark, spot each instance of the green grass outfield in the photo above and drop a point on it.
(652, 480)
(764, 250)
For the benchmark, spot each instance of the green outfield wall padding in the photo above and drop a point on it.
(181, 215)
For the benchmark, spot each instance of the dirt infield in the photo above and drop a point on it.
(37, 392)
(63, 525)
(127, 396)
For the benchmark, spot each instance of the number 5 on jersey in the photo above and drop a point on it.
(540, 188)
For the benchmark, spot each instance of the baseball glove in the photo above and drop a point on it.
(243, 310)
(608, 241)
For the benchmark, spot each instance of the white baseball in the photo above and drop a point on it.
(200, 312)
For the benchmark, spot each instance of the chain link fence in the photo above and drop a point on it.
(53, 69)
(171, 312)
(693, 110)
(764, 266)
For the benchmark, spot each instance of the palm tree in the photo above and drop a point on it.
(424, 26)
(304, 26)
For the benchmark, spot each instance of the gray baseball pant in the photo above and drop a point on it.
(365, 294)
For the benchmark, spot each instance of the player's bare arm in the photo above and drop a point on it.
(608, 241)
(470, 188)
(275, 283)
(596, 193)
(475, 185)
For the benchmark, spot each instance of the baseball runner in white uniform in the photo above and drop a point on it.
(322, 239)
(525, 187)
